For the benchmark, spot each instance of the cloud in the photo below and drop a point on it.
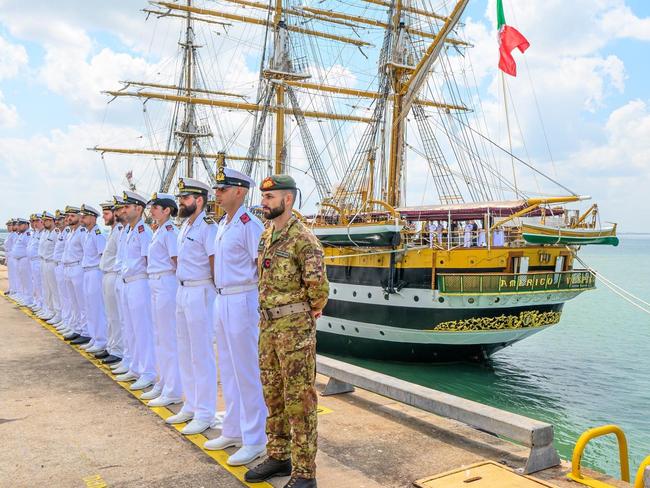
(13, 57)
(8, 114)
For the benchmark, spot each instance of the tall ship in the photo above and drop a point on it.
(436, 247)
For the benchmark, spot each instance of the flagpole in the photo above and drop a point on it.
(512, 159)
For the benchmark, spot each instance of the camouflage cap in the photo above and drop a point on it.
(278, 182)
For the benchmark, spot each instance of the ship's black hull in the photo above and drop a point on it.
(407, 352)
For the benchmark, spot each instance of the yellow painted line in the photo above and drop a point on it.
(322, 410)
(95, 481)
(221, 457)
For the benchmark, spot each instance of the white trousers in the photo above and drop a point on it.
(95, 307)
(124, 327)
(26, 286)
(163, 310)
(137, 299)
(49, 286)
(11, 270)
(37, 281)
(74, 282)
(196, 358)
(236, 319)
(113, 326)
(64, 299)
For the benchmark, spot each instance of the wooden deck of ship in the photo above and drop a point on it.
(66, 422)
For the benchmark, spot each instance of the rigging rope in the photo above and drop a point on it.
(618, 290)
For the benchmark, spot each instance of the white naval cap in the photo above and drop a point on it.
(131, 197)
(70, 209)
(118, 202)
(164, 199)
(59, 214)
(231, 177)
(35, 216)
(21, 220)
(190, 186)
(88, 210)
(47, 215)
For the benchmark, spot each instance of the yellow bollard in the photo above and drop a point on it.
(579, 449)
(638, 481)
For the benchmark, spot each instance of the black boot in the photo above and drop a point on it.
(297, 482)
(268, 469)
(80, 340)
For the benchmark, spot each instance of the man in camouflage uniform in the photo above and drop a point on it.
(293, 290)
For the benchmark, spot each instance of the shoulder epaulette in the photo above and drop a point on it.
(82, 229)
(245, 218)
(208, 220)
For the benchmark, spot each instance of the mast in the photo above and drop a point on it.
(189, 109)
(280, 64)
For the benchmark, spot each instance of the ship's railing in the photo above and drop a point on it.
(443, 240)
(466, 283)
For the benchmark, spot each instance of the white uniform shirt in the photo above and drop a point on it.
(48, 241)
(121, 247)
(195, 246)
(20, 244)
(109, 255)
(163, 247)
(74, 250)
(61, 239)
(93, 247)
(235, 249)
(9, 243)
(32, 245)
(134, 260)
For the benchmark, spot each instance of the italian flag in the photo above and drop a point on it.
(509, 39)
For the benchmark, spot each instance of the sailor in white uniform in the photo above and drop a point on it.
(11, 262)
(54, 260)
(194, 302)
(161, 267)
(236, 319)
(137, 309)
(467, 237)
(35, 262)
(64, 325)
(125, 337)
(92, 280)
(23, 264)
(45, 251)
(106, 264)
(73, 274)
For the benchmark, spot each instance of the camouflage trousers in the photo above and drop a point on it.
(287, 349)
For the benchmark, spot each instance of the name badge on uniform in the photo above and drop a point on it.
(282, 254)
(190, 238)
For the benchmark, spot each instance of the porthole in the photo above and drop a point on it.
(416, 298)
(441, 299)
(470, 300)
(369, 295)
(343, 327)
(329, 324)
(356, 329)
(497, 300)
(354, 293)
(442, 262)
(386, 296)
(334, 291)
(382, 332)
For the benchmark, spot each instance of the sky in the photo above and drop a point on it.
(581, 98)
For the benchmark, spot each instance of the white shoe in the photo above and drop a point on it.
(155, 392)
(121, 370)
(247, 454)
(94, 349)
(141, 384)
(54, 320)
(195, 427)
(86, 346)
(128, 376)
(221, 443)
(179, 418)
(163, 401)
(117, 365)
